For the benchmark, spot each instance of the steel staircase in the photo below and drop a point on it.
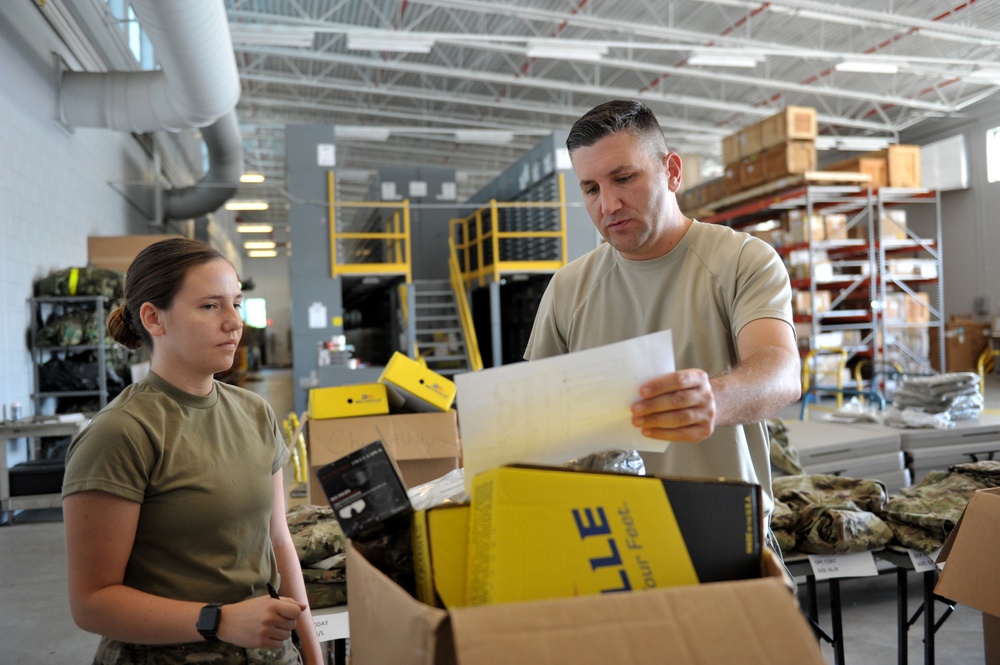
(438, 328)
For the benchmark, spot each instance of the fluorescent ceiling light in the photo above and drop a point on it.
(565, 50)
(713, 58)
(986, 74)
(254, 228)
(247, 205)
(262, 253)
(361, 132)
(867, 66)
(397, 42)
(259, 244)
(252, 177)
(493, 136)
(272, 35)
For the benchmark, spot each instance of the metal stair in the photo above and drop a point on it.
(438, 328)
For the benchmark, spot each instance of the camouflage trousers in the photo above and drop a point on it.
(112, 652)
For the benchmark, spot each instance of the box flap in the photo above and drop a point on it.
(724, 622)
(408, 436)
(971, 575)
(419, 634)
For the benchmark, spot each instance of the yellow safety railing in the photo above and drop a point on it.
(394, 241)
(471, 237)
(859, 372)
(464, 311)
(985, 358)
(296, 442)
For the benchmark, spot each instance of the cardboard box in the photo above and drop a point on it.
(413, 387)
(359, 399)
(117, 252)
(708, 624)
(440, 554)
(542, 532)
(876, 167)
(965, 340)
(730, 148)
(791, 123)
(751, 172)
(903, 165)
(971, 575)
(788, 158)
(425, 446)
(749, 140)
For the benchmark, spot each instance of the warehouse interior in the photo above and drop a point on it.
(359, 160)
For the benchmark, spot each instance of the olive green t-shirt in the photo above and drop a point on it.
(714, 282)
(202, 467)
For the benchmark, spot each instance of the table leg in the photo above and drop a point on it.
(902, 618)
(838, 626)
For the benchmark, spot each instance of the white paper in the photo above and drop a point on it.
(326, 154)
(828, 566)
(557, 409)
(921, 562)
(317, 315)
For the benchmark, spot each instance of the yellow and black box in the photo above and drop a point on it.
(359, 399)
(414, 387)
(440, 554)
(542, 532)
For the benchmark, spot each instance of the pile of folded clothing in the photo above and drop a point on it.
(826, 514)
(953, 396)
(319, 543)
(921, 516)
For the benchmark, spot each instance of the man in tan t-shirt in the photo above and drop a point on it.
(724, 294)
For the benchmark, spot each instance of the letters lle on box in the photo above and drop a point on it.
(540, 532)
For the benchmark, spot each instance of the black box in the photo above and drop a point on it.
(366, 492)
(37, 477)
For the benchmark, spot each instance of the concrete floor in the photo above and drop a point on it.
(36, 627)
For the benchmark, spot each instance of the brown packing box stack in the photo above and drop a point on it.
(896, 166)
(117, 252)
(971, 575)
(425, 446)
(707, 624)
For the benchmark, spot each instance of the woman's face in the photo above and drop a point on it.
(199, 333)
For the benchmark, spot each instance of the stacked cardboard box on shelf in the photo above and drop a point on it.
(780, 145)
(896, 166)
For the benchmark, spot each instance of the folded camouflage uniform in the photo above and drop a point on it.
(784, 521)
(921, 516)
(784, 456)
(835, 514)
(319, 543)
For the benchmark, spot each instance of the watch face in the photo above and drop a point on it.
(208, 620)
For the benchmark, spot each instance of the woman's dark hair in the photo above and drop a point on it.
(618, 115)
(155, 276)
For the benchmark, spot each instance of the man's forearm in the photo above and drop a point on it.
(757, 388)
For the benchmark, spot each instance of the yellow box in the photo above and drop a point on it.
(359, 399)
(440, 554)
(413, 387)
(542, 532)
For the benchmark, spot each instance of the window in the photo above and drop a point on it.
(255, 312)
(993, 155)
(136, 38)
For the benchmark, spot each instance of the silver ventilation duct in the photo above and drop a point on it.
(197, 86)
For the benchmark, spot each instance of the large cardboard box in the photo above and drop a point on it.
(971, 575)
(876, 167)
(708, 624)
(117, 252)
(425, 446)
(903, 165)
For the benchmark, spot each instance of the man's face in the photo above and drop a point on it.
(629, 194)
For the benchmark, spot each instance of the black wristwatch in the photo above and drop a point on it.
(208, 621)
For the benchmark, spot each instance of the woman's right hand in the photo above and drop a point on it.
(262, 622)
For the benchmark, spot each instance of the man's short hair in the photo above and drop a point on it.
(618, 115)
